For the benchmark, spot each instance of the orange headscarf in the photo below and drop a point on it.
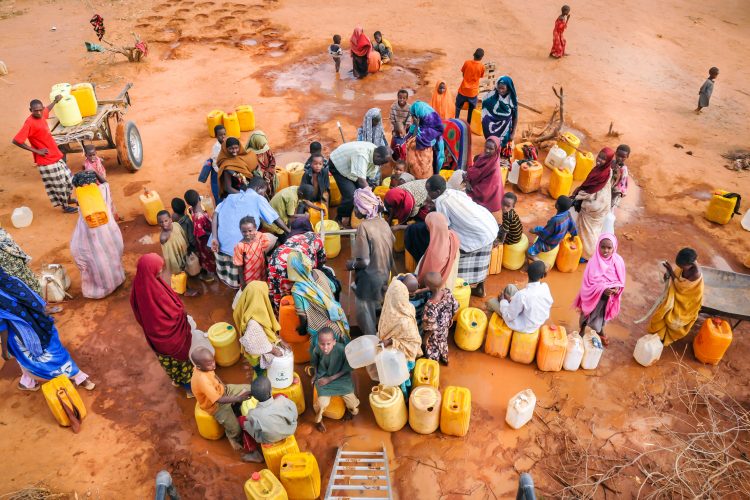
(442, 250)
(444, 104)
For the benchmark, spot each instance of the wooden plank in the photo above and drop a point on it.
(90, 123)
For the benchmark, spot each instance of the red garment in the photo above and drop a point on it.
(202, 231)
(558, 40)
(251, 258)
(267, 164)
(359, 44)
(486, 179)
(599, 176)
(39, 136)
(399, 203)
(159, 310)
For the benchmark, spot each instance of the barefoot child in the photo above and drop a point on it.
(94, 163)
(174, 246)
(704, 94)
(438, 317)
(180, 216)
(620, 174)
(333, 377)
(202, 233)
(549, 236)
(216, 397)
(511, 231)
(250, 252)
(335, 51)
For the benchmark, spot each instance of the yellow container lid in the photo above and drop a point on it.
(221, 333)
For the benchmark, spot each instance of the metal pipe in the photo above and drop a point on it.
(525, 487)
(165, 487)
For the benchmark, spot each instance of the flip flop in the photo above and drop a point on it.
(30, 389)
(54, 309)
(70, 210)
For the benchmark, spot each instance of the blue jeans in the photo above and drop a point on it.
(461, 100)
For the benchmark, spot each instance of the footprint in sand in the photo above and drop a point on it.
(200, 17)
(205, 5)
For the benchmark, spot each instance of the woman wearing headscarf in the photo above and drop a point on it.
(314, 301)
(97, 251)
(443, 251)
(28, 334)
(258, 143)
(236, 166)
(593, 201)
(257, 324)
(598, 301)
(161, 314)
(500, 115)
(301, 239)
(360, 46)
(484, 180)
(398, 326)
(443, 101)
(372, 128)
(15, 262)
(406, 201)
(425, 150)
(372, 258)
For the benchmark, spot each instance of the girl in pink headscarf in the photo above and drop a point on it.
(598, 301)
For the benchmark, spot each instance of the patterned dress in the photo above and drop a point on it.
(279, 285)
(14, 261)
(251, 258)
(436, 322)
(202, 232)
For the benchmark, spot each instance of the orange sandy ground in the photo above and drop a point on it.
(638, 64)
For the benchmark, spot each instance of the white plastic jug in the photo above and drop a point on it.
(21, 217)
(515, 171)
(609, 223)
(391, 365)
(569, 163)
(648, 349)
(592, 350)
(555, 157)
(281, 371)
(574, 353)
(746, 221)
(361, 351)
(520, 409)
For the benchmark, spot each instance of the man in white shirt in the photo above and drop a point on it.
(475, 226)
(352, 164)
(528, 309)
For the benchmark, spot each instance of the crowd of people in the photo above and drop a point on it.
(261, 242)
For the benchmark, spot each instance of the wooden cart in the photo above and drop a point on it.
(97, 129)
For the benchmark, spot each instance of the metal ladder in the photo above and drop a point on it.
(360, 474)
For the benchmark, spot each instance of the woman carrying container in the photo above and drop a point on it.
(598, 301)
(161, 314)
(593, 201)
(255, 319)
(314, 301)
(28, 334)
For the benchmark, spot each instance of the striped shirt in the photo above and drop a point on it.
(512, 227)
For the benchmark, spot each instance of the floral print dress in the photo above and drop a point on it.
(438, 317)
(279, 285)
(202, 232)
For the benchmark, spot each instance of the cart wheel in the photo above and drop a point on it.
(129, 145)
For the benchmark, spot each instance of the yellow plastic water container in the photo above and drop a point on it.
(86, 98)
(472, 323)
(296, 170)
(584, 165)
(530, 177)
(282, 177)
(263, 485)
(504, 174)
(354, 221)
(300, 476)
(334, 195)
(389, 408)
(476, 120)
(274, 452)
(213, 118)
(569, 256)
(496, 260)
(336, 408)
(208, 427)
(424, 409)
(446, 174)
(712, 341)
(381, 191)
(548, 257)
(398, 243)
(498, 337)
(553, 344)
(246, 117)
(409, 263)
(518, 150)
(462, 292)
(67, 111)
(720, 209)
(152, 205)
(332, 243)
(57, 89)
(91, 205)
(560, 183)
(294, 392)
(58, 390)
(315, 214)
(523, 347)
(223, 337)
(178, 282)
(515, 255)
(301, 350)
(426, 372)
(569, 142)
(231, 124)
(455, 411)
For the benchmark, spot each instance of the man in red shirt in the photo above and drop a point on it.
(47, 156)
(469, 89)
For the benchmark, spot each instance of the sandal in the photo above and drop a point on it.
(30, 389)
(70, 210)
(88, 385)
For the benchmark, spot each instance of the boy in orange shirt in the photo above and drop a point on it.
(469, 89)
(216, 397)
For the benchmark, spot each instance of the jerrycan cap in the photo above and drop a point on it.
(553, 327)
(717, 321)
(473, 324)
(230, 327)
(255, 476)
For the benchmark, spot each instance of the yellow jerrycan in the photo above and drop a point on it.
(409, 263)
(66, 110)
(152, 205)
(523, 347)
(208, 427)
(721, 209)
(455, 411)
(223, 337)
(515, 255)
(231, 124)
(472, 323)
(86, 98)
(178, 282)
(549, 256)
(263, 485)
(712, 341)
(296, 170)
(426, 372)
(462, 292)
(424, 409)
(553, 344)
(59, 389)
(336, 408)
(389, 408)
(334, 195)
(314, 213)
(560, 182)
(294, 393)
(92, 206)
(332, 243)
(498, 337)
(584, 165)
(300, 476)
(213, 118)
(246, 117)
(569, 142)
(569, 256)
(496, 259)
(274, 452)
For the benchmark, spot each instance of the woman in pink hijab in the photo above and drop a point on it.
(598, 301)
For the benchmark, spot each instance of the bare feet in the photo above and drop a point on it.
(53, 309)
(235, 445)
(321, 427)
(189, 393)
(254, 457)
